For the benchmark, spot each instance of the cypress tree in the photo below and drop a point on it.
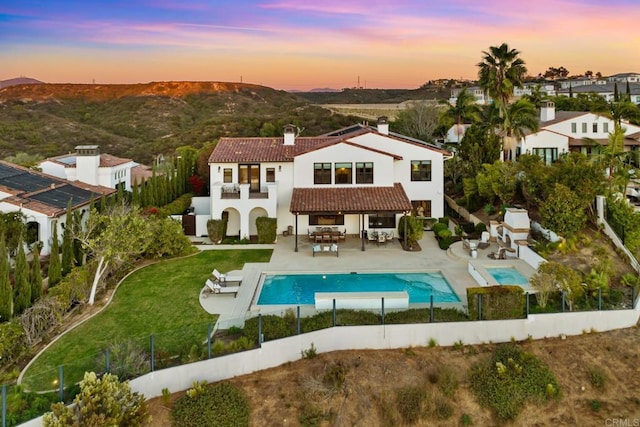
(55, 269)
(616, 97)
(78, 252)
(628, 92)
(67, 242)
(135, 193)
(21, 285)
(36, 275)
(6, 294)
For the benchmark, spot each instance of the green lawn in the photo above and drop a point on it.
(161, 299)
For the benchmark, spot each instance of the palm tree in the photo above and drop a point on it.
(613, 159)
(465, 110)
(520, 117)
(501, 70)
(537, 96)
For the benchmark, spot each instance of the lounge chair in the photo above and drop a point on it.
(325, 249)
(225, 278)
(382, 239)
(484, 240)
(212, 287)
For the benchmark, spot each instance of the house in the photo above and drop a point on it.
(88, 165)
(478, 93)
(564, 131)
(624, 77)
(43, 199)
(356, 178)
(606, 90)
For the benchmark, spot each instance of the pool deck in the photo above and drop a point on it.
(453, 264)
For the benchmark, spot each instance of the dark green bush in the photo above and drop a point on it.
(498, 302)
(480, 227)
(438, 227)
(178, 206)
(446, 242)
(267, 229)
(421, 315)
(273, 328)
(216, 229)
(468, 227)
(344, 317)
(219, 405)
(511, 378)
(444, 220)
(12, 341)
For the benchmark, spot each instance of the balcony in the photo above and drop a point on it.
(242, 192)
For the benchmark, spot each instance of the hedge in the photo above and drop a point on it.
(266, 229)
(498, 302)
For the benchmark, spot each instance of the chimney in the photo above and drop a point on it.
(289, 134)
(383, 125)
(547, 111)
(87, 163)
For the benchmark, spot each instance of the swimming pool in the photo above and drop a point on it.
(298, 289)
(508, 276)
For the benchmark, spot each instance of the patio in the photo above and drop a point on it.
(453, 264)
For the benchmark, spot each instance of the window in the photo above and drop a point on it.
(250, 174)
(326, 219)
(322, 173)
(605, 127)
(595, 128)
(421, 170)
(574, 128)
(584, 128)
(548, 155)
(343, 173)
(382, 220)
(364, 173)
(421, 208)
(227, 175)
(271, 174)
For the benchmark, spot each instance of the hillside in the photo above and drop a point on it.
(142, 120)
(376, 96)
(18, 81)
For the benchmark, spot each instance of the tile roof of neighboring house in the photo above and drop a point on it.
(140, 173)
(350, 200)
(580, 142)
(272, 149)
(44, 193)
(106, 160)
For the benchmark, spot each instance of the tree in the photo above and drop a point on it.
(35, 278)
(533, 178)
(537, 97)
(13, 228)
(501, 70)
(67, 242)
(55, 268)
(101, 402)
(21, 285)
(419, 121)
(519, 118)
(479, 146)
(24, 159)
(613, 160)
(498, 180)
(6, 293)
(563, 211)
(465, 110)
(114, 238)
(554, 277)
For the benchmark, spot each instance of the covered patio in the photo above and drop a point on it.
(349, 201)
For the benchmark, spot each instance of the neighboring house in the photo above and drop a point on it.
(456, 133)
(565, 131)
(478, 93)
(624, 77)
(482, 98)
(607, 91)
(356, 178)
(43, 199)
(89, 166)
(585, 81)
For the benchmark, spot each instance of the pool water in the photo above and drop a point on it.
(508, 276)
(298, 289)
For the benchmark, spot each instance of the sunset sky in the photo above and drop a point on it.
(299, 44)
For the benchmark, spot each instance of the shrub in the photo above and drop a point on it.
(216, 229)
(177, 207)
(12, 342)
(267, 229)
(480, 227)
(509, 379)
(597, 377)
(438, 227)
(410, 403)
(446, 242)
(310, 353)
(273, 328)
(498, 302)
(126, 360)
(219, 405)
(101, 402)
(444, 234)
(168, 239)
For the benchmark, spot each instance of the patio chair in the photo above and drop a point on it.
(382, 239)
(372, 237)
(484, 240)
(212, 287)
(224, 278)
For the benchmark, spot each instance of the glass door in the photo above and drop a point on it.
(250, 174)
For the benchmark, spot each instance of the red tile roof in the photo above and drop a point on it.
(350, 200)
(106, 160)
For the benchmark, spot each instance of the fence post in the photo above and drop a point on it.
(430, 308)
(599, 299)
(298, 319)
(4, 405)
(563, 301)
(209, 341)
(479, 306)
(259, 330)
(334, 312)
(107, 362)
(61, 382)
(383, 310)
(526, 295)
(633, 297)
(153, 352)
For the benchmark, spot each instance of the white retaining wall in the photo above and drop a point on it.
(529, 256)
(278, 352)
